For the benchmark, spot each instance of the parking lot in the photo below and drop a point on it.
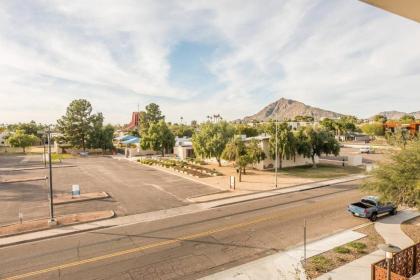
(133, 188)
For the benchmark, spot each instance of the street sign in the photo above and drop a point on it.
(232, 182)
(75, 190)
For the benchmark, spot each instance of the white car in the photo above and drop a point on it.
(366, 150)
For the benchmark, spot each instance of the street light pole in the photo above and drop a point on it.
(43, 155)
(276, 147)
(52, 218)
(389, 250)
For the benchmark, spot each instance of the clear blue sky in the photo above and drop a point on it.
(196, 58)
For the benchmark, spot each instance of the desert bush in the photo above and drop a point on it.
(341, 250)
(321, 263)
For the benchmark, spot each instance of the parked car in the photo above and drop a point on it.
(370, 207)
(366, 150)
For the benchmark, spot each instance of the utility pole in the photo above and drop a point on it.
(52, 218)
(304, 241)
(44, 156)
(276, 146)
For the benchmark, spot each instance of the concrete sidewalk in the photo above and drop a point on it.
(285, 265)
(264, 194)
(166, 213)
(390, 229)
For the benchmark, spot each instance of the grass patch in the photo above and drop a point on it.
(358, 246)
(320, 263)
(60, 157)
(322, 171)
(341, 250)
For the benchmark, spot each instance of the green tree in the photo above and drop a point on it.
(211, 139)
(346, 124)
(235, 151)
(244, 129)
(341, 126)
(407, 119)
(286, 143)
(313, 142)
(242, 154)
(22, 140)
(77, 124)
(31, 128)
(299, 118)
(181, 130)
(373, 129)
(254, 152)
(328, 124)
(398, 180)
(152, 114)
(158, 137)
(100, 137)
(380, 118)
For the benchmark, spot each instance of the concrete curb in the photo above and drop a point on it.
(52, 236)
(54, 229)
(23, 180)
(33, 168)
(106, 195)
(278, 189)
(276, 192)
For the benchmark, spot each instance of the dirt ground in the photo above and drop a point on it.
(412, 229)
(258, 180)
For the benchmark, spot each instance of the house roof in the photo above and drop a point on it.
(133, 140)
(125, 137)
(405, 8)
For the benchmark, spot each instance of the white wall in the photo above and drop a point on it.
(269, 163)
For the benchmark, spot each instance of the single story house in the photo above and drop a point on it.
(183, 148)
(132, 146)
(3, 136)
(358, 137)
(269, 163)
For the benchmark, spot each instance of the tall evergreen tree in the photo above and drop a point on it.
(77, 124)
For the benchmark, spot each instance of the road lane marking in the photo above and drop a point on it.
(145, 247)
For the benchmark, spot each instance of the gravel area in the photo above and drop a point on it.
(412, 229)
(330, 260)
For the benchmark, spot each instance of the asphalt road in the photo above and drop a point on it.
(186, 247)
(133, 188)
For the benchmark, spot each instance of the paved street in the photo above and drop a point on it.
(133, 188)
(190, 246)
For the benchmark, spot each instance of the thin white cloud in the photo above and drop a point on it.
(343, 56)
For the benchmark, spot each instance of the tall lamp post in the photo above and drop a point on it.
(276, 147)
(389, 250)
(52, 220)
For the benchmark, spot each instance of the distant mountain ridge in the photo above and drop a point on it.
(395, 115)
(289, 109)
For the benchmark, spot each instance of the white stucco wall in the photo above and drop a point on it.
(269, 163)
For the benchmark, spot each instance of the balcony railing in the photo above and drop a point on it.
(404, 265)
